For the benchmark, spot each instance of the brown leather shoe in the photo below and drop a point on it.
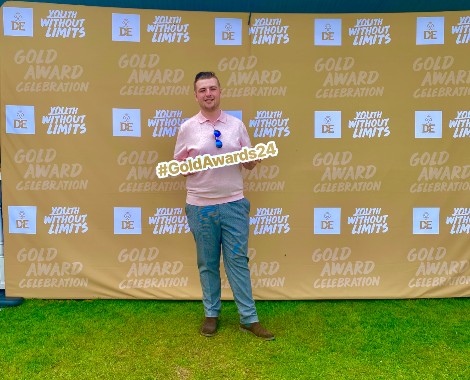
(209, 327)
(256, 329)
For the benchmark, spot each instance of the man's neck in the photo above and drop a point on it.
(211, 115)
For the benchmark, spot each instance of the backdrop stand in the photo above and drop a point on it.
(9, 301)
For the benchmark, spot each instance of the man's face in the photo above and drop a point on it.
(208, 94)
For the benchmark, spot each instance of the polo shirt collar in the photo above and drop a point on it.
(222, 117)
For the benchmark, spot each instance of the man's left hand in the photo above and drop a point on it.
(250, 164)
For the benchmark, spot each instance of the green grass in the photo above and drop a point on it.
(354, 339)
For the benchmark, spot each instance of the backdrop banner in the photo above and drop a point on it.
(368, 196)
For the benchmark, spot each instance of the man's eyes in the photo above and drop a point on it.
(210, 88)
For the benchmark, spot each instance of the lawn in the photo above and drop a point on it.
(142, 339)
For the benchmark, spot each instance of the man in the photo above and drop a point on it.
(218, 213)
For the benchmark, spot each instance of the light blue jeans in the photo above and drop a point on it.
(223, 226)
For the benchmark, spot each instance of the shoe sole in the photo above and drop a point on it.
(207, 335)
(252, 333)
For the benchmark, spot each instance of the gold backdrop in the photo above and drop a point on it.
(368, 197)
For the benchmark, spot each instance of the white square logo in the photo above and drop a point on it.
(126, 122)
(228, 31)
(20, 120)
(327, 125)
(327, 221)
(18, 22)
(127, 221)
(126, 27)
(22, 219)
(425, 221)
(428, 124)
(327, 31)
(429, 30)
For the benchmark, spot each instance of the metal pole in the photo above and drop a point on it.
(4, 301)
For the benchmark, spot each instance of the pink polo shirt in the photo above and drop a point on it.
(195, 138)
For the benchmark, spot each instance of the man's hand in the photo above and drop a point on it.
(185, 175)
(250, 164)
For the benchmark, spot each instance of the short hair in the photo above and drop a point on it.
(205, 75)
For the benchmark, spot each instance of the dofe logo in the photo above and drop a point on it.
(326, 223)
(328, 35)
(125, 30)
(126, 125)
(18, 24)
(228, 35)
(425, 224)
(20, 122)
(127, 224)
(430, 34)
(22, 222)
(428, 126)
(327, 127)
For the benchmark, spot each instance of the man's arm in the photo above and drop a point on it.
(181, 153)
